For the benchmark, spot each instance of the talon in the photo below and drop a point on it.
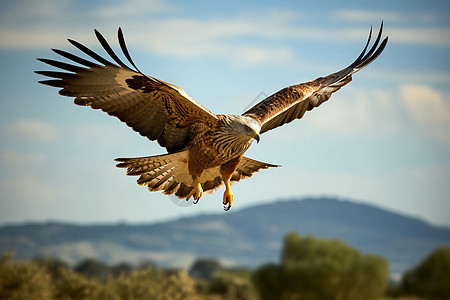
(196, 199)
(226, 207)
(196, 193)
(227, 199)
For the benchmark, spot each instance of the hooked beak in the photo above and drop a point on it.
(256, 137)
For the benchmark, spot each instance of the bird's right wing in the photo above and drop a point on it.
(292, 102)
(154, 108)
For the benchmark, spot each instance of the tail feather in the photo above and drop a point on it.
(156, 172)
(169, 173)
(160, 172)
(171, 188)
(163, 180)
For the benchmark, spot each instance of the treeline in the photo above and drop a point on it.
(309, 268)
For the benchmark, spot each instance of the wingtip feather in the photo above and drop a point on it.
(53, 82)
(124, 48)
(364, 58)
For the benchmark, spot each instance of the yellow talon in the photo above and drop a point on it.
(197, 193)
(227, 197)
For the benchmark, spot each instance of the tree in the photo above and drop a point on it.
(92, 268)
(233, 284)
(431, 278)
(316, 269)
(121, 269)
(267, 280)
(204, 268)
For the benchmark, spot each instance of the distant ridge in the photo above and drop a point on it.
(250, 237)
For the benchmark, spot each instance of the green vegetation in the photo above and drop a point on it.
(40, 279)
(431, 278)
(23, 281)
(204, 268)
(315, 269)
(310, 269)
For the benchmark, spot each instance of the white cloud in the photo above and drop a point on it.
(225, 38)
(359, 15)
(402, 76)
(29, 188)
(134, 8)
(251, 55)
(400, 28)
(19, 13)
(388, 16)
(349, 115)
(245, 39)
(425, 104)
(429, 36)
(20, 160)
(17, 38)
(167, 35)
(36, 130)
(381, 112)
(355, 111)
(429, 108)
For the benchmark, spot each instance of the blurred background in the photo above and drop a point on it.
(382, 141)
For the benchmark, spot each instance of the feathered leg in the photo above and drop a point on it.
(197, 191)
(226, 171)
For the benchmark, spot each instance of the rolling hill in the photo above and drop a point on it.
(250, 237)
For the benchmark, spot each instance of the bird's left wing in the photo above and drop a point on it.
(154, 108)
(292, 102)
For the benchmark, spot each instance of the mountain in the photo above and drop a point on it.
(250, 237)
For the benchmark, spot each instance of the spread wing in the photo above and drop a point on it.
(292, 102)
(156, 109)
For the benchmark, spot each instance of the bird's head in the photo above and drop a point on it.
(247, 127)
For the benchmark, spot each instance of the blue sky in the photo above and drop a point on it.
(384, 139)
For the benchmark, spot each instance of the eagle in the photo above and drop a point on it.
(204, 150)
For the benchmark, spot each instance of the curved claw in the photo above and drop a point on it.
(226, 206)
(196, 193)
(227, 199)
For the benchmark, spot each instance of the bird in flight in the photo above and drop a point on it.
(204, 150)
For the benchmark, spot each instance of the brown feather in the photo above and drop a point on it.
(154, 108)
(164, 172)
(292, 102)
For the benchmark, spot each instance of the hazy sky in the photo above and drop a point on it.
(384, 139)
